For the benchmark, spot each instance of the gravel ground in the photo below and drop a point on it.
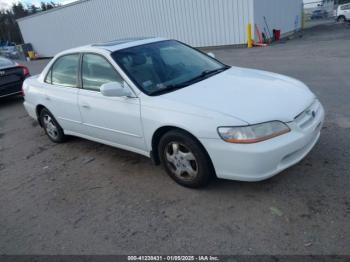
(86, 198)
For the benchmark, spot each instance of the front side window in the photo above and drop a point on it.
(165, 66)
(96, 71)
(65, 71)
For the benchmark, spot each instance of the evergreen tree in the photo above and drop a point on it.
(9, 29)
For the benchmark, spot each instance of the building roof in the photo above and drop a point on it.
(57, 8)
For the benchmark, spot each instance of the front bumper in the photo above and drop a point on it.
(260, 161)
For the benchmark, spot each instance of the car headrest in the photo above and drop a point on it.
(138, 60)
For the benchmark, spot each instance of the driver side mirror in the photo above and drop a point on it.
(211, 54)
(115, 89)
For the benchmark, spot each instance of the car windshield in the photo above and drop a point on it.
(165, 66)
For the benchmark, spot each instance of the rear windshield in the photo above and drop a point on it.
(4, 62)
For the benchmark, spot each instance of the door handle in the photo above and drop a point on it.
(85, 106)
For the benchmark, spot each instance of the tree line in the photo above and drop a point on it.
(9, 29)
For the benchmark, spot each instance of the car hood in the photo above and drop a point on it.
(253, 96)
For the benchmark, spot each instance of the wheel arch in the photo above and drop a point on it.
(38, 110)
(341, 16)
(161, 131)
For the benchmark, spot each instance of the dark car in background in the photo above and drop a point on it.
(12, 76)
(319, 14)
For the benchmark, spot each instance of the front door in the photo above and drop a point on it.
(113, 119)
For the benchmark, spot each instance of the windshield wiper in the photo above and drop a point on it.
(211, 72)
(205, 74)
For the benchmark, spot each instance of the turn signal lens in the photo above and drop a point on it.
(254, 133)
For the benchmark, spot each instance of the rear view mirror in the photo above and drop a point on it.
(115, 89)
(211, 54)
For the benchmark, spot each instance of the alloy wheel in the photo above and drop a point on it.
(181, 161)
(341, 20)
(50, 127)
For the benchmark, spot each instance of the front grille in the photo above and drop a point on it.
(308, 116)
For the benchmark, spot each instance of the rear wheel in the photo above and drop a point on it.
(184, 159)
(341, 19)
(52, 129)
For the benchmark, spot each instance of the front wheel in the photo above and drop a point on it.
(184, 159)
(52, 129)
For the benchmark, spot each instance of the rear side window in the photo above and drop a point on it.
(345, 7)
(65, 71)
(48, 78)
(96, 71)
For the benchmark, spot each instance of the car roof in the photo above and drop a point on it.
(121, 41)
(115, 45)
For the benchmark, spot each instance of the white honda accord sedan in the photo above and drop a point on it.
(184, 109)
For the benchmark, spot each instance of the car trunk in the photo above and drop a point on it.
(11, 80)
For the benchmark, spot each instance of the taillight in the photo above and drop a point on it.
(25, 70)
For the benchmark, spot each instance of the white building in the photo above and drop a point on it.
(200, 23)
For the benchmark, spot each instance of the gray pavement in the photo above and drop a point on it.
(86, 198)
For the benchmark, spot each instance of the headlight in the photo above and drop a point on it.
(254, 133)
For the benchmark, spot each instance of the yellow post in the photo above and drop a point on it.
(31, 54)
(249, 36)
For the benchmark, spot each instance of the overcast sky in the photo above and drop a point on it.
(4, 4)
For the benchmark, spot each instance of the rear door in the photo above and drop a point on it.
(61, 92)
(347, 12)
(113, 119)
(345, 9)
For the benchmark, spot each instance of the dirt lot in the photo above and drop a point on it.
(86, 198)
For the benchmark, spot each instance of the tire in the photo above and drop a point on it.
(52, 129)
(341, 19)
(184, 159)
